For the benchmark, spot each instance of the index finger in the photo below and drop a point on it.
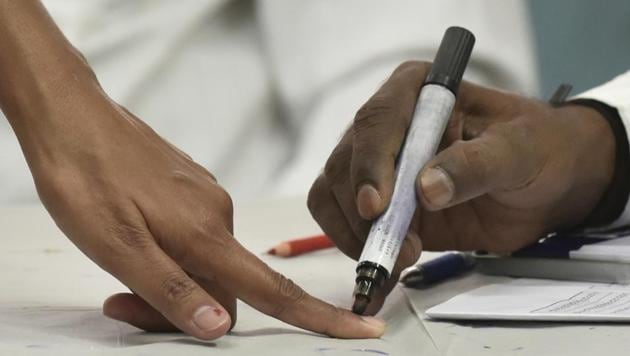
(254, 282)
(378, 133)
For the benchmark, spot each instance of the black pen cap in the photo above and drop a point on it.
(451, 58)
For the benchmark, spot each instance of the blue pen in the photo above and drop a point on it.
(437, 269)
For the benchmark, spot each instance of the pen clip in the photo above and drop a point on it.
(561, 94)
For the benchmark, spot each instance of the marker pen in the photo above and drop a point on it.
(432, 112)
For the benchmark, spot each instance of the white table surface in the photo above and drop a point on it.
(51, 295)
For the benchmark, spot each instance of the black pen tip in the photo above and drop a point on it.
(412, 279)
(360, 304)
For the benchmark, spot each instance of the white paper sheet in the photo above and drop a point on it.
(613, 250)
(533, 299)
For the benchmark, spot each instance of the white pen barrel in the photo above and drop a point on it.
(432, 112)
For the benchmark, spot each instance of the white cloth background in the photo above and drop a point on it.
(260, 91)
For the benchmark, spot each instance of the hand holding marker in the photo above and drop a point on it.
(452, 264)
(433, 110)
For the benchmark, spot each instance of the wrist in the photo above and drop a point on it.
(592, 148)
(42, 102)
(47, 86)
(47, 112)
(614, 200)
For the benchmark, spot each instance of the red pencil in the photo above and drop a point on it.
(297, 247)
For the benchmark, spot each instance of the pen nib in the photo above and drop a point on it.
(360, 304)
(413, 278)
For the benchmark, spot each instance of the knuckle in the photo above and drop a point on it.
(214, 224)
(412, 66)
(375, 167)
(129, 234)
(477, 159)
(288, 293)
(474, 155)
(360, 227)
(181, 177)
(215, 232)
(224, 200)
(313, 202)
(382, 121)
(377, 114)
(58, 188)
(177, 288)
(209, 174)
(338, 165)
(412, 70)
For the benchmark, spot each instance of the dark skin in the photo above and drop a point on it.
(160, 223)
(509, 170)
(133, 203)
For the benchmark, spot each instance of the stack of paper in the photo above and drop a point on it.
(565, 258)
(613, 250)
(536, 299)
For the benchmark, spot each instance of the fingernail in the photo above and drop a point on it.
(368, 201)
(376, 325)
(209, 318)
(437, 187)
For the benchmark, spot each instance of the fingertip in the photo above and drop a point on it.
(114, 306)
(369, 202)
(352, 326)
(374, 327)
(211, 322)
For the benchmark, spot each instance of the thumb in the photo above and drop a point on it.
(468, 169)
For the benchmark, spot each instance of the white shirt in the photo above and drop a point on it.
(259, 92)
